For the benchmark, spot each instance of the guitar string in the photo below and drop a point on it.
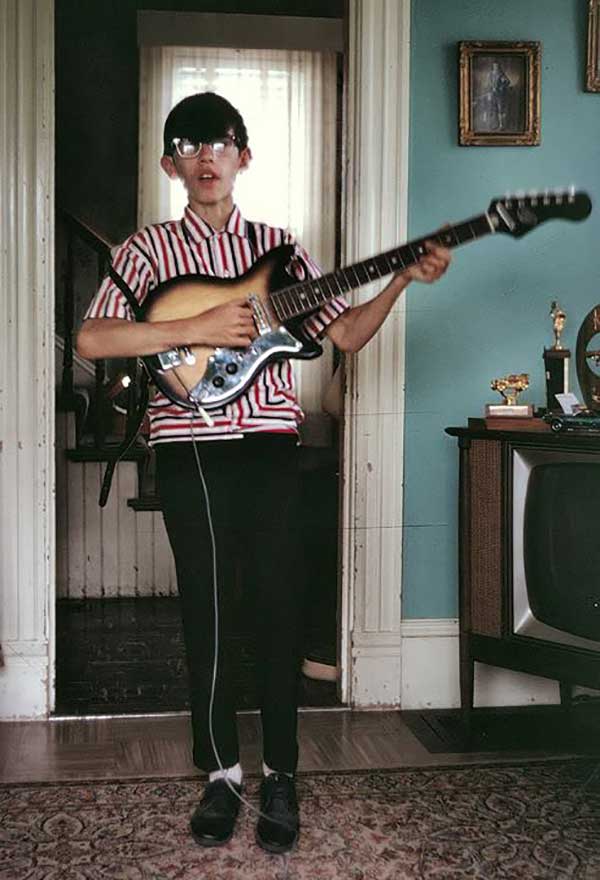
(283, 295)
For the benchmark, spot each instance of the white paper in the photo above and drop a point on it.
(568, 403)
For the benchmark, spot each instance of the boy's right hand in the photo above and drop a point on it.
(231, 324)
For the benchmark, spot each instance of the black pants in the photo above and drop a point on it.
(253, 487)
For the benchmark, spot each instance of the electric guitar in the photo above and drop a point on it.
(201, 377)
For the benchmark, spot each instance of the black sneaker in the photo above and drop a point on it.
(277, 830)
(213, 820)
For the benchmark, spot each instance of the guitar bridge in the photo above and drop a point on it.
(261, 319)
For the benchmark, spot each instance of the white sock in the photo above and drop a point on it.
(267, 771)
(233, 774)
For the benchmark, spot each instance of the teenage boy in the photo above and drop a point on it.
(247, 454)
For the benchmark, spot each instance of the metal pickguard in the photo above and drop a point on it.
(230, 370)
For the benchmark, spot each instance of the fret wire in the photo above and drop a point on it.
(301, 298)
(484, 226)
(279, 307)
(392, 260)
(379, 265)
(315, 293)
(373, 265)
(407, 256)
(289, 304)
(328, 281)
(345, 286)
(397, 259)
(283, 306)
(388, 264)
(360, 280)
(276, 303)
(342, 281)
(460, 232)
(335, 277)
(277, 297)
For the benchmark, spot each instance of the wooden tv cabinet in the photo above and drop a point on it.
(485, 561)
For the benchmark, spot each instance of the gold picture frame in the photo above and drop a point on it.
(500, 89)
(592, 80)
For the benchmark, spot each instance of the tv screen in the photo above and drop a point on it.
(561, 546)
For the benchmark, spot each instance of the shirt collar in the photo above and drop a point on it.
(200, 230)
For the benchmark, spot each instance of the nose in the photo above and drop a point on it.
(206, 151)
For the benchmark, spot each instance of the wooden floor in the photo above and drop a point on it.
(143, 746)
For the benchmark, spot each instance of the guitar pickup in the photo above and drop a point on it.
(175, 357)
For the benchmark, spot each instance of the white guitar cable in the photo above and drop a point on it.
(213, 543)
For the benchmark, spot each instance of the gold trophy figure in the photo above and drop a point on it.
(556, 360)
(558, 324)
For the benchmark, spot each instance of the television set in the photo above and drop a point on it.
(529, 554)
(556, 546)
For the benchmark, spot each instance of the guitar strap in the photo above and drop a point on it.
(253, 240)
(127, 293)
(136, 408)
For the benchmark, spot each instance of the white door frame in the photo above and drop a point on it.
(376, 165)
(27, 557)
(375, 218)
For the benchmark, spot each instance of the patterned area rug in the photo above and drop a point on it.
(539, 820)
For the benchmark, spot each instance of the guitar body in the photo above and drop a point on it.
(201, 376)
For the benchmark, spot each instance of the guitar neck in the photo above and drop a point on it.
(304, 297)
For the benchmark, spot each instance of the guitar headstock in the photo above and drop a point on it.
(517, 215)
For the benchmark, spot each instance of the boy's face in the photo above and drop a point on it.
(209, 178)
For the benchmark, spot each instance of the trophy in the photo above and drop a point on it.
(510, 387)
(556, 360)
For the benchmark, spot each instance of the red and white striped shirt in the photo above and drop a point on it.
(162, 251)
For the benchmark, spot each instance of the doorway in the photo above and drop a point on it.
(119, 646)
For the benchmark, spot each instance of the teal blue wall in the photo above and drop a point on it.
(489, 316)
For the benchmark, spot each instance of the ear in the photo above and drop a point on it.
(245, 158)
(168, 166)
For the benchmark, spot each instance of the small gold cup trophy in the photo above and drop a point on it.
(556, 361)
(510, 387)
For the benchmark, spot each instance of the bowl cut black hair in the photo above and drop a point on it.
(205, 116)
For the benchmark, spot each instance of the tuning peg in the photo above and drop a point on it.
(546, 197)
(559, 195)
(572, 193)
(533, 196)
(520, 195)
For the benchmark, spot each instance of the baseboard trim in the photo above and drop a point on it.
(23, 683)
(430, 672)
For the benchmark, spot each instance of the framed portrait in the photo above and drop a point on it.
(592, 83)
(499, 93)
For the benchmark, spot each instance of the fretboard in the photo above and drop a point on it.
(306, 296)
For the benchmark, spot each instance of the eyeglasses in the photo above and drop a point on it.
(189, 149)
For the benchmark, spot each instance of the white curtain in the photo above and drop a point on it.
(288, 101)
